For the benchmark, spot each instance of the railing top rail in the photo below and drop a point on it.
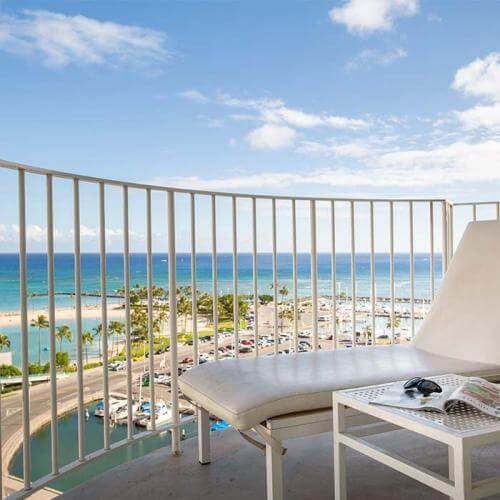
(471, 203)
(135, 185)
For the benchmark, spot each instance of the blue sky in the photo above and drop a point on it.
(335, 98)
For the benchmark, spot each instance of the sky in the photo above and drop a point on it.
(363, 98)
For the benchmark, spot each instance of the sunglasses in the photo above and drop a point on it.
(422, 385)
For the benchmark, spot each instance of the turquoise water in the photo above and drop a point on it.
(37, 280)
(68, 451)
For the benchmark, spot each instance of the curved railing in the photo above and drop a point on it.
(360, 216)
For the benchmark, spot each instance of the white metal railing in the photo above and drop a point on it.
(445, 246)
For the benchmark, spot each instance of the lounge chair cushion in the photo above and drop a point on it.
(245, 392)
(463, 321)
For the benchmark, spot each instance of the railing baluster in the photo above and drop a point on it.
(126, 288)
(295, 280)
(23, 300)
(194, 294)
(498, 211)
(78, 319)
(432, 270)
(353, 275)
(451, 213)
(275, 279)
(474, 212)
(335, 342)
(391, 270)
(373, 289)
(104, 311)
(236, 312)
(172, 294)
(215, 295)
(412, 273)
(255, 274)
(314, 276)
(52, 325)
(444, 238)
(151, 334)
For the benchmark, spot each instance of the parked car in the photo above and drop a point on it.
(117, 366)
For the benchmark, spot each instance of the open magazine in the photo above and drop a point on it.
(476, 392)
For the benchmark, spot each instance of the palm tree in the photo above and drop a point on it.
(87, 339)
(63, 332)
(184, 307)
(283, 291)
(394, 321)
(98, 333)
(4, 341)
(285, 314)
(115, 328)
(40, 322)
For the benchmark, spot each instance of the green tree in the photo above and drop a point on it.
(40, 322)
(204, 303)
(98, 333)
(63, 332)
(184, 308)
(367, 330)
(226, 310)
(4, 342)
(283, 291)
(87, 339)
(396, 321)
(265, 299)
(115, 328)
(285, 314)
(62, 359)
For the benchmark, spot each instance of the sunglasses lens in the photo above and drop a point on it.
(427, 387)
(412, 383)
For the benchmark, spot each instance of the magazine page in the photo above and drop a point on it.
(479, 393)
(397, 397)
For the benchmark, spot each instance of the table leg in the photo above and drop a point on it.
(274, 473)
(451, 464)
(339, 452)
(462, 471)
(203, 436)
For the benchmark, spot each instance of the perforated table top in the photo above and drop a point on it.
(461, 419)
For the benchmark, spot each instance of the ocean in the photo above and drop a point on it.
(37, 279)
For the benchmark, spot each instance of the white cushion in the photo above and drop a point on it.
(245, 392)
(464, 320)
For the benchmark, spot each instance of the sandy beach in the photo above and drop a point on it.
(13, 318)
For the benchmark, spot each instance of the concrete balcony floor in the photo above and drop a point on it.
(237, 471)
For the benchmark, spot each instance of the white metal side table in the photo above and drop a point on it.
(461, 429)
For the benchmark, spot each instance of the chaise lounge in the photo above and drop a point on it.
(282, 397)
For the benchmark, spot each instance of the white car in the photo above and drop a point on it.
(117, 366)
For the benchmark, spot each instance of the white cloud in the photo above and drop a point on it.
(274, 111)
(58, 40)
(444, 165)
(353, 149)
(369, 58)
(480, 78)
(256, 104)
(368, 16)
(480, 117)
(194, 95)
(300, 119)
(9, 233)
(270, 136)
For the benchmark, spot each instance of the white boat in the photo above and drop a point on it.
(114, 405)
(163, 414)
(120, 415)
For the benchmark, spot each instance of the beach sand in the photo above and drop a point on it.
(13, 318)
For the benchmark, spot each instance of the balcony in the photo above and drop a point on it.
(116, 262)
